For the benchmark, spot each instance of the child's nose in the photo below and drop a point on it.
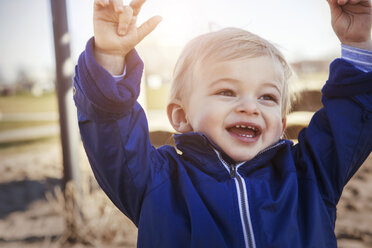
(247, 105)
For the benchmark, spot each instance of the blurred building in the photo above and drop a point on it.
(36, 81)
(311, 66)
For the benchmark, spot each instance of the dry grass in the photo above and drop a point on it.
(53, 218)
(90, 219)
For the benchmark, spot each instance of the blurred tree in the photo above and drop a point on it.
(2, 79)
(23, 81)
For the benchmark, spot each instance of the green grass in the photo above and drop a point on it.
(27, 103)
(8, 125)
(26, 145)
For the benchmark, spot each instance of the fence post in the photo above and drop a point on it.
(67, 114)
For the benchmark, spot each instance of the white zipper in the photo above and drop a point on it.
(243, 196)
(271, 147)
(242, 200)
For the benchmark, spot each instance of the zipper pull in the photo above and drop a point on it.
(232, 171)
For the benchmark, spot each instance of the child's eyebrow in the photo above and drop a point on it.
(272, 85)
(235, 81)
(224, 80)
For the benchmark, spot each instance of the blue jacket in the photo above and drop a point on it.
(198, 197)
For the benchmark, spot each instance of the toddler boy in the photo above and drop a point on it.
(234, 181)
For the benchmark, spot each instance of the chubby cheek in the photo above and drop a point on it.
(274, 125)
(204, 121)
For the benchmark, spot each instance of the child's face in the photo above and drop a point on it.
(237, 104)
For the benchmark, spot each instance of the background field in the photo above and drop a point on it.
(27, 103)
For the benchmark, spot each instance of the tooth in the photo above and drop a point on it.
(242, 126)
(237, 126)
(247, 135)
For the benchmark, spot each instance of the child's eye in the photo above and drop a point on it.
(269, 98)
(226, 93)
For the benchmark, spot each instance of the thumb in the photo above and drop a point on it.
(334, 7)
(148, 27)
(332, 3)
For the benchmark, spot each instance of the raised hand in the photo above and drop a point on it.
(352, 21)
(116, 32)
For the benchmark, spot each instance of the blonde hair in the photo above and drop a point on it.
(224, 45)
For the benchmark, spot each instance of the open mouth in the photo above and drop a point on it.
(245, 132)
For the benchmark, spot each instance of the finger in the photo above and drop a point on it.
(344, 2)
(341, 2)
(334, 5)
(118, 5)
(132, 26)
(102, 3)
(362, 2)
(136, 6)
(355, 1)
(148, 27)
(352, 2)
(125, 18)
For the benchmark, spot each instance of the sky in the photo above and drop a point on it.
(301, 29)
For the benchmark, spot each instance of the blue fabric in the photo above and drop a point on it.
(346, 80)
(362, 59)
(188, 199)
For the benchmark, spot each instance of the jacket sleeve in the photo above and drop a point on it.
(114, 132)
(339, 136)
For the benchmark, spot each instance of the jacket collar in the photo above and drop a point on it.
(199, 148)
(199, 144)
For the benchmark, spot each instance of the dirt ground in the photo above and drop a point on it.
(32, 212)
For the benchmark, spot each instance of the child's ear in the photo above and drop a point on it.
(177, 117)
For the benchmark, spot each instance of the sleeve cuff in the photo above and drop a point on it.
(99, 88)
(360, 58)
(120, 77)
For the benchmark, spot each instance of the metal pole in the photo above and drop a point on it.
(67, 113)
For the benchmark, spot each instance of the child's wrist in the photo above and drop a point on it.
(113, 63)
(366, 45)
